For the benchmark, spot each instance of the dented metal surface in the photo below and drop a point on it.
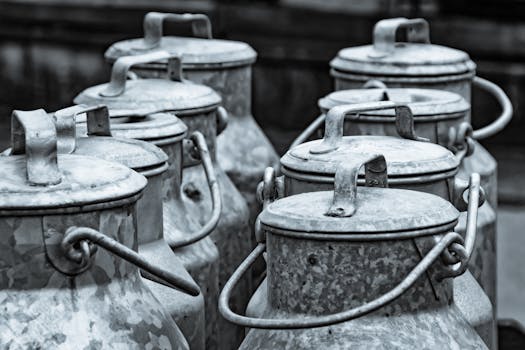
(359, 269)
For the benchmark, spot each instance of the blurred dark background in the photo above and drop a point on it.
(52, 49)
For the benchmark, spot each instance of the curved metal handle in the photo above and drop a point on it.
(461, 253)
(321, 321)
(200, 144)
(119, 72)
(33, 133)
(461, 192)
(154, 21)
(385, 31)
(506, 106)
(461, 142)
(78, 236)
(345, 182)
(335, 117)
(222, 119)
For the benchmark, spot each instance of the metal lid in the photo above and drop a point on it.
(34, 177)
(95, 123)
(203, 52)
(405, 157)
(351, 209)
(422, 102)
(154, 126)
(415, 57)
(175, 95)
(135, 154)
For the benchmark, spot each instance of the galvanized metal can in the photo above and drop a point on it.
(359, 267)
(57, 289)
(414, 165)
(152, 211)
(199, 108)
(224, 65)
(417, 63)
(440, 117)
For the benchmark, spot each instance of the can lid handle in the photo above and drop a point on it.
(119, 72)
(97, 120)
(33, 134)
(335, 117)
(154, 23)
(345, 184)
(417, 31)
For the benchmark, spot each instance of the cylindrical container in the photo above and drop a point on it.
(417, 63)
(440, 117)
(57, 290)
(150, 161)
(414, 165)
(224, 65)
(199, 108)
(360, 267)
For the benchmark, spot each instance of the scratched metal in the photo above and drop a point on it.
(481, 318)
(107, 306)
(243, 151)
(201, 259)
(233, 236)
(424, 317)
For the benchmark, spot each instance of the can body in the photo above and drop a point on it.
(187, 311)
(480, 318)
(107, 305)
(233, 236)
(201, 259)
(359, 271)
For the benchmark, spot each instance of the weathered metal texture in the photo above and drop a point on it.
(187, 311)
(438, 130)
(106, 306)
(201, 259)
(48, 299)
(243, 151)
(438, 181)
(233, 236)
(424, 317)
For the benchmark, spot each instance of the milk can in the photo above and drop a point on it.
(360, 267)
(417, 63)
(440, 117)
(198, 107)
(414, 165)
(188, 239)
(150, 161)
(224, 65)
(58, 290)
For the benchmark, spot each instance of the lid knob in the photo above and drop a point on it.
(345, 183)
(119, 72)
(385, 31)
(154, 21)
(33, 134)
(334, 123)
